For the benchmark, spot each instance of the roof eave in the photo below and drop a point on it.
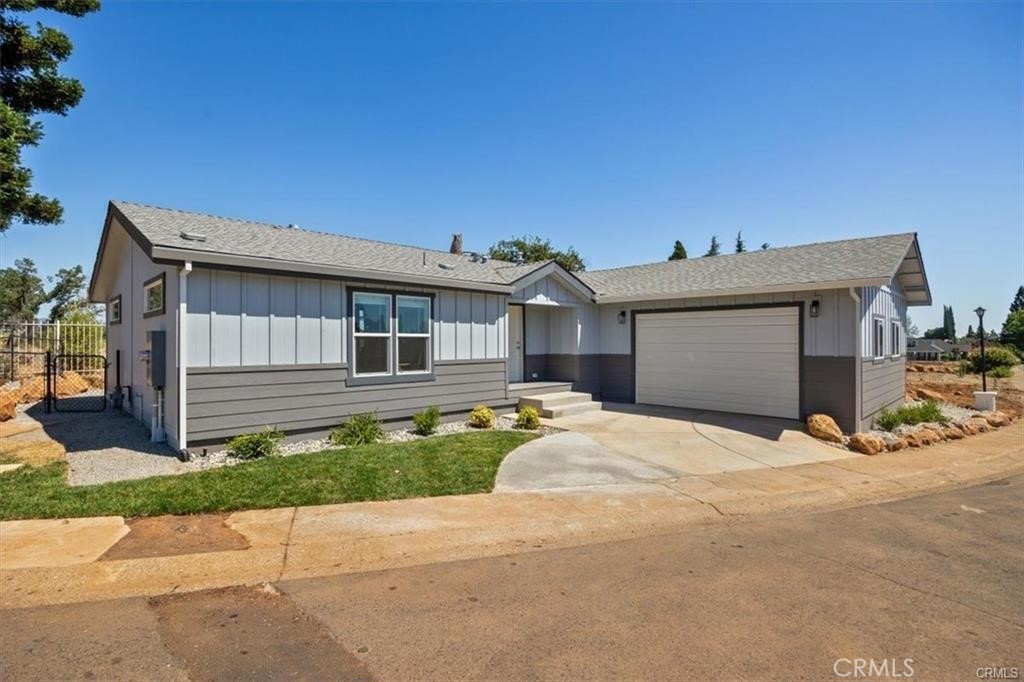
(169, 254)
(924, 288)
(567, 276)
(781, 288)
(114, 212)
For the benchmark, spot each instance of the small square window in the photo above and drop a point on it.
(114, 310)
(153, 296)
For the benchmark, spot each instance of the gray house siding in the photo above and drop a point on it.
(223, 402)
(883, 384)
(829, 386)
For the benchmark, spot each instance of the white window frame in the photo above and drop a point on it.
(427, 335)
(356, 334)
(111, 304)
(878, 338)
(895, 332)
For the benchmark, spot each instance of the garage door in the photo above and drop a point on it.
(740, 360)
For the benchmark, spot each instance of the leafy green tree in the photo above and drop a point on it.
(741, 246)
(715, 247)
(66, 293)
(21, 292)
(1013, 330)
(935, 333)
(30, 84)
(532, 249)
(678, 251)
(1018, 300)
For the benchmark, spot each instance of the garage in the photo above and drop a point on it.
(743, 360)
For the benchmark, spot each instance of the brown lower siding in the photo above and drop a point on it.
(224, 402)
(830, 387)
(883, 384)
(584, 371)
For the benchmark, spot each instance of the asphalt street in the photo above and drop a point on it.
(927, 588)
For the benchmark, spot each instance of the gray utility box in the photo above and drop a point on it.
(155, 356)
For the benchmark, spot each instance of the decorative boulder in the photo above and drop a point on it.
(71, 383)
(952, 433)
(824, 427)
(8, 403)
(896, 444)
(981, 424)
(921, 438)
(928, 394)
(867, 443)
(996, 418)
(968, 428)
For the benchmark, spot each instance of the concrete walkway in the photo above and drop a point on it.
(627, 443)
(67, 561)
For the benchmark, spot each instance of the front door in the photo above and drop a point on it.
(515, 344)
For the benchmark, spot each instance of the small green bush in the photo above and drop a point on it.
(528, 418)
(427, 421)
(256, 445)
(910, 414)
(361, 429)
(482, 417)
(995, 356)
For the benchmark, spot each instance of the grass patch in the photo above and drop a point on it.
(910, 414)
(447, 465)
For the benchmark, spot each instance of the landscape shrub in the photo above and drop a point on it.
(361, 429)
(996, 356)
(427, 421)
(256, 445)
(528, 418)
(482, 417)
(910, 414)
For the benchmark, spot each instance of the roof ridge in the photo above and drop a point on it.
(277, 226)
(752, 253)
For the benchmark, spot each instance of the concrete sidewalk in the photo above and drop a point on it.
(66, 561)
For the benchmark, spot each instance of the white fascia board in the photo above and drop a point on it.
(285, 266)
(554, 268)
(778, 289)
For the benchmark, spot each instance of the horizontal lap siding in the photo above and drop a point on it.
(882, 384)
(233, 401)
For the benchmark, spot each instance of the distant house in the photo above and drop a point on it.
(927, 350)
(228, 325)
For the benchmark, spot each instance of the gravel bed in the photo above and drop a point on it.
(954, 414)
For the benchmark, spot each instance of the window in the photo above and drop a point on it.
(894, 338)
(153, 296)
(878, 349)
(114, 310)
(371, 332)
(390, 334)
(413, 334)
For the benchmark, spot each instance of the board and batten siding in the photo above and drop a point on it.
(223, 402)
(243, 319)
(889, 304)
(545, 291)
(883, 378)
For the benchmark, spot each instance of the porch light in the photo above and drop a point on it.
(622, 317)
(815, 307)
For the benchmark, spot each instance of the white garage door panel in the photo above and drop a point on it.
(745, 361)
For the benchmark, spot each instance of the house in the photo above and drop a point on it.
(219, 326)
(927, 350)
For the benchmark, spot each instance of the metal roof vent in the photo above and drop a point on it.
(445, 266)
(193, 236)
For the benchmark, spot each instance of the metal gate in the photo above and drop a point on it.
(77, 383)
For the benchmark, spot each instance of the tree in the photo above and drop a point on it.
(740, 244)
(912, 330)
(1018, 300)
(935, 333)
(678, 251)
(532, 249)
(970, 332)
(66, 293)
(30, 85)
(21, 292)
(715, 247)
(1013, 330)
(948, 323)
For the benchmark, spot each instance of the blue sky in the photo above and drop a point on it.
(617, 128)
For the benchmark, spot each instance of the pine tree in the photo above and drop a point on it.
(715, 248)
(948, 323)
(740, 245)
(970, 331)
(1018, 300)
(678, 251)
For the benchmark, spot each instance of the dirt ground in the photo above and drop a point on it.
(942, 378)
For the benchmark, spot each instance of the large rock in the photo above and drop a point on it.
(996, 418)
(968, 428)
(8, 403)
(867, 443)
(929, 394)
(922, 438)
(895, 444)
(71, 383)
(952, 433)
(824, 427)
(981, 424)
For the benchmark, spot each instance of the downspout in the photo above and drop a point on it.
(858, 406)
(183, 274)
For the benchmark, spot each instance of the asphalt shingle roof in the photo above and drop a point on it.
(838, 261)
(163, 227)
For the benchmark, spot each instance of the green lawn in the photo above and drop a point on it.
(445, 465)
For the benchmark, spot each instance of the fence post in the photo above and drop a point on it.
(47, 397)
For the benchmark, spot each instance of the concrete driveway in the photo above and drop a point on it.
(626, 443)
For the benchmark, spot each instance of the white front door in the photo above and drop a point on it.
(515, 344)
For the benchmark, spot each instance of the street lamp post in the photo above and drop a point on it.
(980, 312)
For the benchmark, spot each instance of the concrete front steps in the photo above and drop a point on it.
(560, 403)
